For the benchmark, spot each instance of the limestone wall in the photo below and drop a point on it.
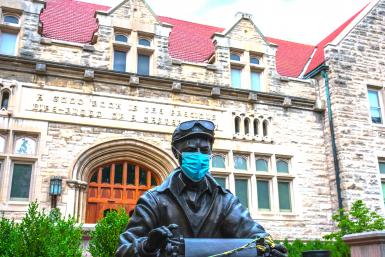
(356, 64)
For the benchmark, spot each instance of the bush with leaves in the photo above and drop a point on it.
(41, 235)
(358, 219)
(8, 237)
(105, 237)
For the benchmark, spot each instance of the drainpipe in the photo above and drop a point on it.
(325, 76)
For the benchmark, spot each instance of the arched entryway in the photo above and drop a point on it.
(117, 185)
(130, 168)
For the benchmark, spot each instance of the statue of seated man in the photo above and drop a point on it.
(189, 198)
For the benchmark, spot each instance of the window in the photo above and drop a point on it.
(256, 127)
(235, 57)
(236, 77)
(120, 58)
(121, 38)
(246, 123)
(383, 191)
(284, 196)
(143, 64)
(144, 42)
(237, 124)
(255, 81)
(25, 145)
(2, 144)
(381, 165)
(241, 191)
(261, 165)
(263, 193)
(282, 166)
(8, 43)
(218, 161)
(254, 60)
(375, 108)
(265, 127)
(11, 19)
(221, 181)
(240, 162)
(21, 181)
(4, 99)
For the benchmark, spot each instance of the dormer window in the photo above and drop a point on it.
(144, 42)
(11, 19)
(121, 38)
(235, 57)
(254, 60)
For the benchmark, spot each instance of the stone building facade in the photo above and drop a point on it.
(91, 94)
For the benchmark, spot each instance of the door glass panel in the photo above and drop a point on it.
(106, 171)
(118, 178)
(142, 177)
(153, 181)
(130, 174)
(94, 177)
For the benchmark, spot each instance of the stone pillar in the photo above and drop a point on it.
(366, 244)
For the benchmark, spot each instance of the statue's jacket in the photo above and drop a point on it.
(162, 205)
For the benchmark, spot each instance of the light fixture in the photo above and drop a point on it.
(55, 189)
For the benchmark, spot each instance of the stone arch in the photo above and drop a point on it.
(142, 153)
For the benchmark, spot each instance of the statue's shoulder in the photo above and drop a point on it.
(166, 184)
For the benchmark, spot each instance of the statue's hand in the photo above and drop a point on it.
(279, 251)
(157, 238)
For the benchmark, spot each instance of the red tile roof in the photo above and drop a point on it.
(71, 20)
(291, 57)
(190, 41)
(319, 56)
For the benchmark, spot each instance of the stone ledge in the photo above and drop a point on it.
(365, 238)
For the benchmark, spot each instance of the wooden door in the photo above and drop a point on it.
(115, 185)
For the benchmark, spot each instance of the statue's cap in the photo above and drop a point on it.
(193, 127)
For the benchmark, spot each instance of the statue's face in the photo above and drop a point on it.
(194, 144)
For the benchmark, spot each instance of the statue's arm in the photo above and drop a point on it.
(238, 222)
(144, 219)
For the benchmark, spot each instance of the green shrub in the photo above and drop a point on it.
(358, 219)
(298, 246)
(8, 237)
(105, 238)
(41, 235)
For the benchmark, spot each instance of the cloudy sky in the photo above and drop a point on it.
(304, 21)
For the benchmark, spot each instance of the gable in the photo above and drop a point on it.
(135, 11)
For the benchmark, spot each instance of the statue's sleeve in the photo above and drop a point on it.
(143, 220)
(238, 222)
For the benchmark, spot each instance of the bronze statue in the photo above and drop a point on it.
(190, 200)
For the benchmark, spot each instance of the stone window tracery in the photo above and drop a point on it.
(25, 146)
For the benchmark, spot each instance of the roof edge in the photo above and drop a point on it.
(369, 7)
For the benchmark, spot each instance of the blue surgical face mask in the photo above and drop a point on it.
(195, 165)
